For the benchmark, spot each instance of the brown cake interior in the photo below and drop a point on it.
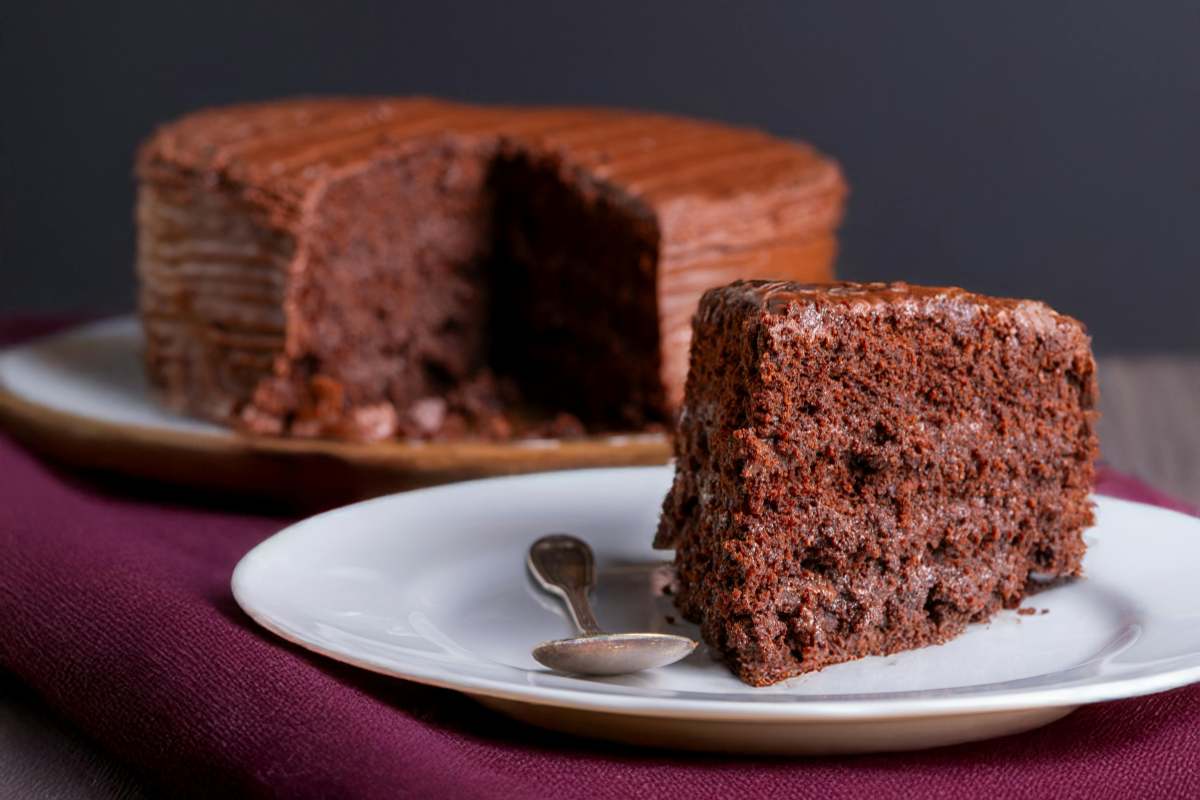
(440, 282)
(390, 303)
(869, 472)
(574, 312)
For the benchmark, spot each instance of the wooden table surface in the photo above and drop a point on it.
(1150, 428)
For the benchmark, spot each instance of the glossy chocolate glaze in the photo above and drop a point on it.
(818, 300)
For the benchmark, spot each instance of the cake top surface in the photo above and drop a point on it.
(287, 147)
(813, 305)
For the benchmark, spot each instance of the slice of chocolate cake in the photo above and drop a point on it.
(866, 468)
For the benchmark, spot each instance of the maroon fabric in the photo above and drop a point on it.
(115, 607)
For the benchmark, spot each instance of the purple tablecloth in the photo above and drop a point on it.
(115, 607)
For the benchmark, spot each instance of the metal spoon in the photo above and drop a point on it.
(563, 565)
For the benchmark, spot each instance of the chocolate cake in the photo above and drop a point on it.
(371, 268)
(867, 468)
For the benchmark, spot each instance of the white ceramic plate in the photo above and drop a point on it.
(430, 586)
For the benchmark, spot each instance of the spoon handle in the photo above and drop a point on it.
(563, 565)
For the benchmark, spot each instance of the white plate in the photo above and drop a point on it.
(430, 586)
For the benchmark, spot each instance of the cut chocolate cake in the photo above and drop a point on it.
(866, 468)
(368, 268)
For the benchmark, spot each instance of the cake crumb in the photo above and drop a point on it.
(670, 620)
(1044, 611)
(1026, 611)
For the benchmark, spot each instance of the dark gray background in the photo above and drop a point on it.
(1045, 149)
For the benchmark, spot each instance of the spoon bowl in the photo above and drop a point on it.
(563, 565)
(613, 653)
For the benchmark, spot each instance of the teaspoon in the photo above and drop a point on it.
(563, 566)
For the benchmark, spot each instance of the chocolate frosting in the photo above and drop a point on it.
(781, 297)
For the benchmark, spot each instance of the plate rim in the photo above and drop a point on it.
(852, 709)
